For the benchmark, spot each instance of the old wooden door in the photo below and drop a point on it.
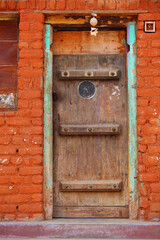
(90, 124)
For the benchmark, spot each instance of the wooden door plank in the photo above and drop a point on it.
(92, 186)
(90, 129)
(100, 74)
(84, 212)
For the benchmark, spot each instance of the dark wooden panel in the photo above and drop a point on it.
(8, 78)
(84, 212)
(91, 186)
(8, 30)
(8, 53)
(96, 129)
(110, 74)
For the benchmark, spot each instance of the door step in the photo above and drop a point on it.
(81, 229)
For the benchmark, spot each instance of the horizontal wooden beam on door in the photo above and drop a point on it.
(96, 129)
(91, 186)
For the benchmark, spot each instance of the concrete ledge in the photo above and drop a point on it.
(74, 228)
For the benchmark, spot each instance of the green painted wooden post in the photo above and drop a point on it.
(132, 118)
(48, 126)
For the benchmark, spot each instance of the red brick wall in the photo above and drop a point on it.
(21, 132)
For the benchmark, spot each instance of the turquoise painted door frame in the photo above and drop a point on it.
(132, 116)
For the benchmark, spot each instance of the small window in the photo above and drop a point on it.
(8, 64)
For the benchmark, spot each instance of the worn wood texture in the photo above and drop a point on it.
(96, 129)
(85, 212)
(8, 63)
(90, 74)
(90, 157)
(94, 185)
(72, 42)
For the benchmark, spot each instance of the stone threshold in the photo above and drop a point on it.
(80, 229)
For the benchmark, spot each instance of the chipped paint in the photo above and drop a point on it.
(48, 129)
(132, 112)
(7, 100)
(65, 20)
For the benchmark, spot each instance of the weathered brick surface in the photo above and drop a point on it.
(21, 132)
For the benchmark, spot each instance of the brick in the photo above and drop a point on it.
(153, 149)
(144, 202)
(15, 180)
(60, 4)
(142, 43)
(147, 92)
(16, 160)
(7, 150)
(156, 62)
(37, 140)
(24, 26)
(30, 36)
(37, 45)
(1, 122)
(5, 140)
(100, 4)
(157, 81)
(80, 4)
(145, 36)
(52, 4)
(141, 168)
(7, 208)
(155, 187)
(148, 177)
(32, 4)
(30, 94)
(37, 179)
(70, 4)
(142, 148)
(31, 130)
(37, 160)
(152, 160)
(155, 197)
(19, 198)
(30, 73)
(143, 102)
(142, 62)
(90, 4)
(37, 63)
(153, 216)
(144, 72)
(4, 180)
(31, 208)
(155, 43)
(5, 190)
(42, 4)
(4, 160)
(155, 207)
(23, 44)
(155, 101)
(37, 197)
(29, 189)
(149, 16)
(22, 4)
(30, 171)
(31, 17)
(23, 103)
(18, 122)
(153, 121)
(141, 121)
(23, 63)
(7, 170)
(148, 130)
(151, 139)
(37, 122)
(143, 189)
